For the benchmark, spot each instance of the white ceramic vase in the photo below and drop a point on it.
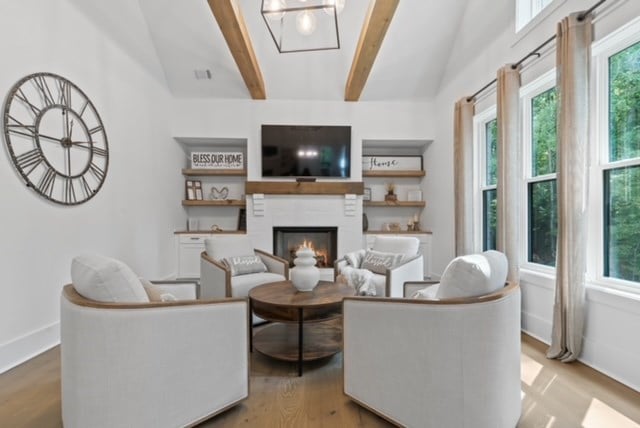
(305, 275)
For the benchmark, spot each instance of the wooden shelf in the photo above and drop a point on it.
(188, 172)
(304, 188)
(400, 232)
(416, 204)
(393, 174)
(215, 203)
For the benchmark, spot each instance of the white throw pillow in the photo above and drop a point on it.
(466, 276)
(499, 268)
(106, 280)
(379, 262)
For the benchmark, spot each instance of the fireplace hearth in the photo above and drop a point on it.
(322, 240)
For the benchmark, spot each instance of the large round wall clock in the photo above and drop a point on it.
(55, 138)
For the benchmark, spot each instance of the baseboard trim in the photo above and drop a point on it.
(536, 327)
(28, 346)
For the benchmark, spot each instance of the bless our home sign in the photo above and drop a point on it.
(217, 160)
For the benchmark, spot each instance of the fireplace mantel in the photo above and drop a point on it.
(304, 188)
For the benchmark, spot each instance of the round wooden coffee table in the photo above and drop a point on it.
(306, 324)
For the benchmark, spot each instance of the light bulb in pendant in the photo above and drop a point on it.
(339, 4)
(306, 22)
(274, 9)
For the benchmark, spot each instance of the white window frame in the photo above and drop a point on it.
(480, 121)
(527, 10)
(617, 41)
(527, 94)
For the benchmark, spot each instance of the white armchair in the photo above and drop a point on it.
(441, 361)
(148, 363)
(390, 283)
(216, 279)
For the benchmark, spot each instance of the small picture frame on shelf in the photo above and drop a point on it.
(197, 184)
(190, 190)
(366, 196)
(414, 195)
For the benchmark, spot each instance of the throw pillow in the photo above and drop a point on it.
(427, 293)
(106, 280)
(242, 265)
(156, 293)
(378, 262)
(499, 268)
(355, 258)
(465, 276)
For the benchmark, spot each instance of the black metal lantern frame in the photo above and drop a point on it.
(283, 26)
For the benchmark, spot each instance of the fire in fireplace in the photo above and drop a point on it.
(322, 240)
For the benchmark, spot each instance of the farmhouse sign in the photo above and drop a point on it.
(391, 163)
(217, 160)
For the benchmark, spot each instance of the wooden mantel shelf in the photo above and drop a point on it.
(305, 188)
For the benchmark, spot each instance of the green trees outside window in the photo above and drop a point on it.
(489, 194)
(542, 193)
(622, 184)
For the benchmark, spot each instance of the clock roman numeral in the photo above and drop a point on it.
(30, 159)
(97, 171)
(22, 97)
(85, 187)
(43, 88)
(69, 191)
(64, 88)
(96, 129)
(20, 128)
(45, 185)
(100, 152)
(84, 107)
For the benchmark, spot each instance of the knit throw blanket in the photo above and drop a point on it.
(360, 279)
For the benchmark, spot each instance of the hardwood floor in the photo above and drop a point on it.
(555, 395)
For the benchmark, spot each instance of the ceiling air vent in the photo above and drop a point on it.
(204, 74)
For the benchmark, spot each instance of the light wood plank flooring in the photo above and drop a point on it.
(555, 395)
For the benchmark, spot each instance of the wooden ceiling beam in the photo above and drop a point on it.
(234, 30)
(373, 31)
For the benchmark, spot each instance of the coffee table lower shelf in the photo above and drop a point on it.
(280, 341)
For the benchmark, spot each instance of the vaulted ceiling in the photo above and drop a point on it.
(408, 66)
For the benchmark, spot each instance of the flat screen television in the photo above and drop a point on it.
(306, 151)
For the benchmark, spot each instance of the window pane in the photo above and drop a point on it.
(489, 219)
(491, 156)
(622, 220)
(543, 222)
(543, 133)
(624, 104)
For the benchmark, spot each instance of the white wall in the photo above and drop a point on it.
(104, 48)
(613, 320)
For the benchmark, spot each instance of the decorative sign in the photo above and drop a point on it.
(391, 163)
(217, 160)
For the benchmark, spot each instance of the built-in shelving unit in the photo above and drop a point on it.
(215, 203)
(393, 174)
(397, 204)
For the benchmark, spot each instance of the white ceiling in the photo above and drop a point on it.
(409, 65)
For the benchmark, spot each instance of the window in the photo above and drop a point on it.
(539, 105)
(486, 142)
(615, 179)
(621, 174)
(526, 10)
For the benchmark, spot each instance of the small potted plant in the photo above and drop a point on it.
(391, 196)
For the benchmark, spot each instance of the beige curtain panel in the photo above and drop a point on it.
(573, 45)
(463, 175)
(509, 168)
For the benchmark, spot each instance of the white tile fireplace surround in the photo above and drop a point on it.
(264, 212)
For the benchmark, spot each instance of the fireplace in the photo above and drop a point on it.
(322, 240)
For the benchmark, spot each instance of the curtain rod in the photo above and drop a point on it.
(535, 52)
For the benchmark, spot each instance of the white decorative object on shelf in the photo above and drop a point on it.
(305, 275)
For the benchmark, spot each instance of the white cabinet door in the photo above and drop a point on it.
(189, 249)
